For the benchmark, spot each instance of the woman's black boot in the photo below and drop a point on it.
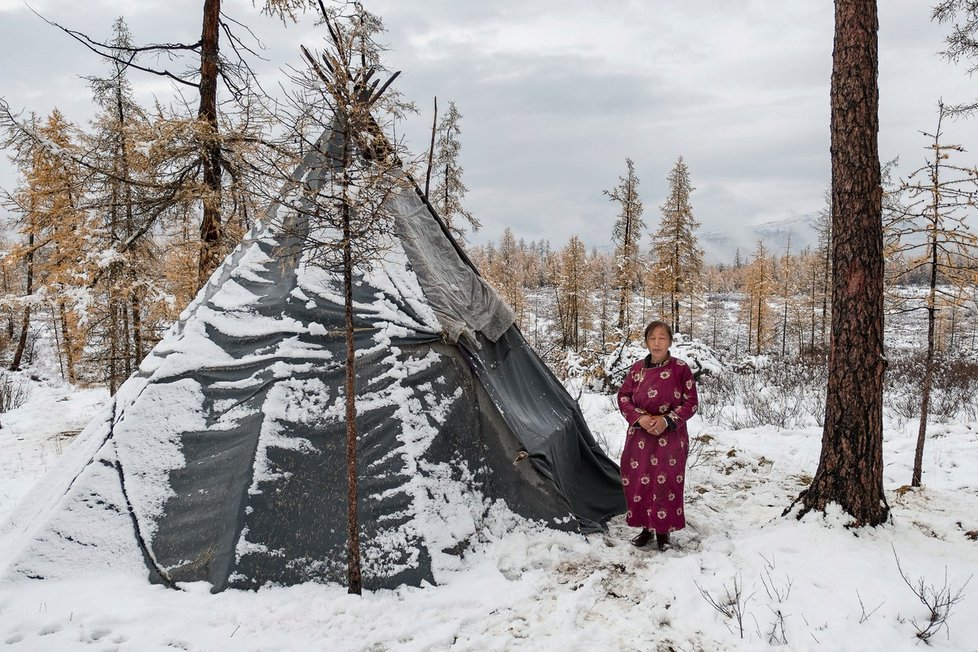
(642, 538)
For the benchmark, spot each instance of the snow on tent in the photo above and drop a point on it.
(223, 458)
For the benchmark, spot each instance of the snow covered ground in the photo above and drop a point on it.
(808, 585)
(33, 436)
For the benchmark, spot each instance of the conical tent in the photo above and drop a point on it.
(223, 458)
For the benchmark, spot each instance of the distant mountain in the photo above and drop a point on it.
(720, 246)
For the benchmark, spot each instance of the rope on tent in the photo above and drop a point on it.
(148, 557)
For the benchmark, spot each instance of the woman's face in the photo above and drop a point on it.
(658, 344)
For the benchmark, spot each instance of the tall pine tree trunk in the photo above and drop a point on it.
(850, 469)
(210, 224)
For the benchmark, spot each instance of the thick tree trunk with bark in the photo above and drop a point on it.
(850, 470)
(210, 224)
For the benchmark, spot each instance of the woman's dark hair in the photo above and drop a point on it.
(657, 324)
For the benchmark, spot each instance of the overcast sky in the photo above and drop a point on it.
(555, 94)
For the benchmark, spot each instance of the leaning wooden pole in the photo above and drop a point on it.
(431, 151)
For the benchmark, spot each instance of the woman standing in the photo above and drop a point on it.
(657, 398)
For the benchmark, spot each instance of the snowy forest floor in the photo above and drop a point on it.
(809, 584)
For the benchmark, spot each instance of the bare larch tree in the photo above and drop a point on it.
(675, 247)
(626, 236)
(933, 230)
(210, 161)
(350, 220)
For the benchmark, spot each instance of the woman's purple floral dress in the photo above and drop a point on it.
(653, 468)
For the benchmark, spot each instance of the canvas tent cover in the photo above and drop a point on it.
(222, 459)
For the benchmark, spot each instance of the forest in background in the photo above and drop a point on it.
(116, 224)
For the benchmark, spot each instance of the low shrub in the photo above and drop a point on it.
(14, 391)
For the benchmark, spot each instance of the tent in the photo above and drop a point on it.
(222, 459)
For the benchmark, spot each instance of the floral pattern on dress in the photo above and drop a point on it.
(653, 466)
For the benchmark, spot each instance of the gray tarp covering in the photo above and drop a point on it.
(462, 301)
(227, 448)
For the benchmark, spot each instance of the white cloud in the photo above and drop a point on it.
(556, 93)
